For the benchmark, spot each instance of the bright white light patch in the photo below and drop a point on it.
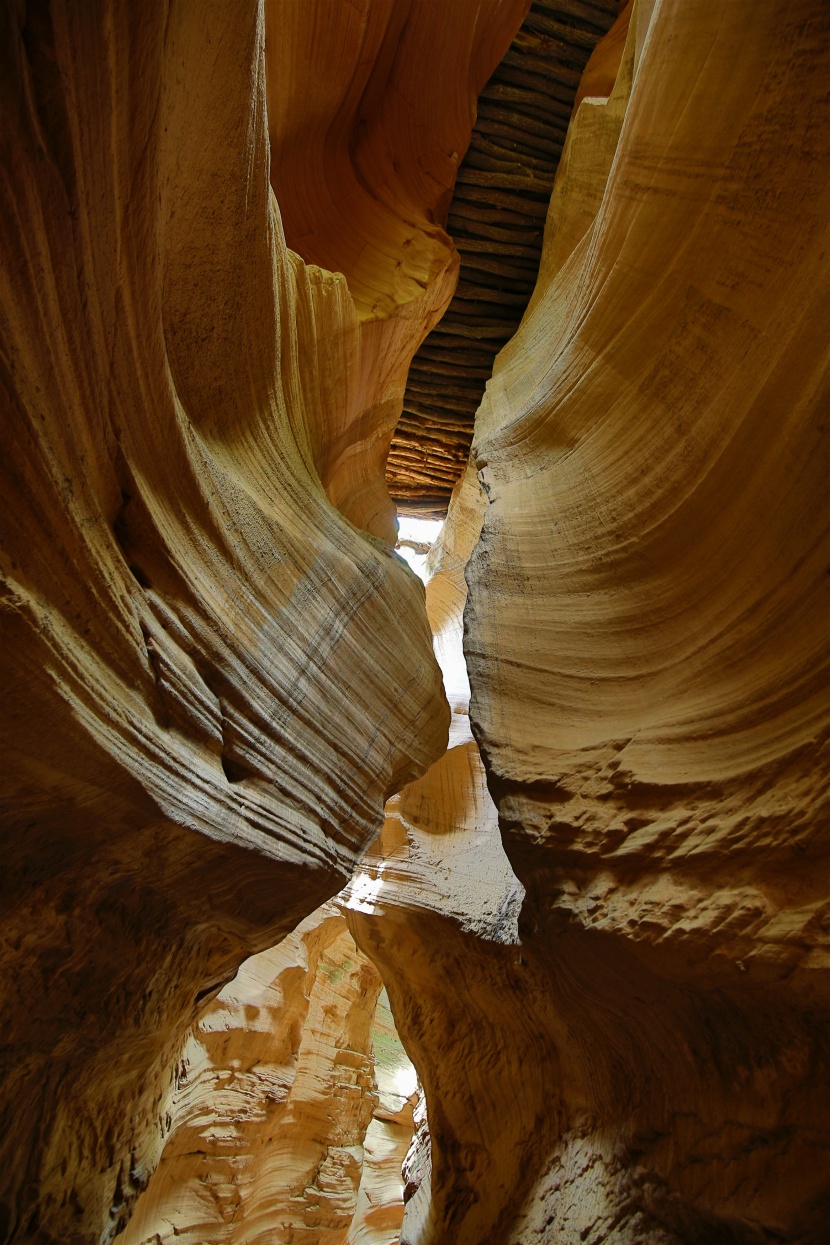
(406, 1080)
(419, 532)
(425, 531)
(365, 890)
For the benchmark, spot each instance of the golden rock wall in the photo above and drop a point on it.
(646, 636)
(601, 912)
(212, 677)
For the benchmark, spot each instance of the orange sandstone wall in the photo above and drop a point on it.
(370, 109)
(646, 636)
(212, 677)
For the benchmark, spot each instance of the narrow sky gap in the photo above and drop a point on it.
(421, 532)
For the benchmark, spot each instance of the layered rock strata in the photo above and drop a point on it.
(204, 710)
(496, 220)
(647, 642)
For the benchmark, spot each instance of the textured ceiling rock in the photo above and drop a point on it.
(646, 637)
(212, 678)
(496, 220)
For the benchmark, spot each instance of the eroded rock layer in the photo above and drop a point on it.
(288, 1122)
(214, 671)
(496, 220)
(217, 673)
(646, 637)
(370, 107)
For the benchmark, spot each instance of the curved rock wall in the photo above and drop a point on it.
(217, 673)
(204, 711)
(646, 637)
(370, 109)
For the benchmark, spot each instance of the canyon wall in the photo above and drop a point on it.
(606, 944)
(215, 672)
(646, 636)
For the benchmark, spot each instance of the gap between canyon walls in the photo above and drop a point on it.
(207, 715)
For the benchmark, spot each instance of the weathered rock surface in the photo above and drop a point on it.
(496, 220)
(370, 108)
(216, 672)
(287, 1123)
(212, 677)
(647, 643)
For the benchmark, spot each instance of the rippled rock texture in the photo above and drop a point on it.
(496, 220)
(606, 948)
(215, 672)
(646, 638)
(290, 1121)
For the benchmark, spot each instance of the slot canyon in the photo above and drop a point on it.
(415, 601)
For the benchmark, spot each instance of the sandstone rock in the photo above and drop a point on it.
(278, 1130)
(370, 108)
(380, 1201)
(235, 1086)
(204, 712)
(217, 672)
(647, 645)
(496, 220)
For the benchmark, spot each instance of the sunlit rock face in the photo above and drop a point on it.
(292, 1110)
(214, 672)
(436, 905)
(646, 637)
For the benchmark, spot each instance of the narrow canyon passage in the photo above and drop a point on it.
(293, 1111)
(372, 885)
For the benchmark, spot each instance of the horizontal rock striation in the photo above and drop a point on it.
(496, 220)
